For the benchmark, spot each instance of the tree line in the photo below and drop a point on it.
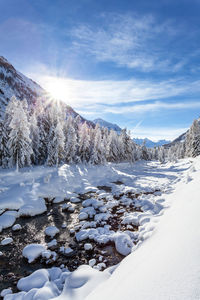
(42, 134)
(187, 147)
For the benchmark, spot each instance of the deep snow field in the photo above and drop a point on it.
(117, 207)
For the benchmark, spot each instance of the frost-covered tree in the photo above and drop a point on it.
(56, 145)
(97, 154)
(84, 143)
(145, 154)
(113, 147)
(127, 147)
(70, 141)
(161, 154)
(105, 135)
(35, 138)
(54, 135)
(19, 142)
(5, 131)
(192, 142)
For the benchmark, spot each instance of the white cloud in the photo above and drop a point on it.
(156, 106)
(99, 94)
(137, 42)
(155, 133)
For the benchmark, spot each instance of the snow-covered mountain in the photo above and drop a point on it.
(108, 125)
(149, 143)
(14, 83)
(180, 139)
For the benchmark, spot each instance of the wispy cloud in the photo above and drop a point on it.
(137, 42)
(155, 133)
(155, 106)
(94, 94)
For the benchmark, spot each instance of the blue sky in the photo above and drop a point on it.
(135, 63)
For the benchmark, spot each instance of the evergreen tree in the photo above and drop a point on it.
(97, 155)
(56, 145)
(5, 131)
(19, 142)
(70, 141)
(127, 147)
(84, 143)
(113, 147)
(35, 138)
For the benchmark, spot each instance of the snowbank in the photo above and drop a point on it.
(167, 265)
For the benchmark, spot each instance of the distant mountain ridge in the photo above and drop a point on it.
(14, 83)
(149, 143)
(103, 123)
(180, 139)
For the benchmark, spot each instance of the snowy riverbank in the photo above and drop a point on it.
(136, 195)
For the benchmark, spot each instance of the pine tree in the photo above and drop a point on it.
(127, 147)
(113, 147)
(35, 138)
(19, 142)
(70, 141)
(84, 144)
(56, 145)
(97, 155)
(196, 138)
(144, 151)
(5, 131)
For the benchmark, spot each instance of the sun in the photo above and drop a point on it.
(58, 88)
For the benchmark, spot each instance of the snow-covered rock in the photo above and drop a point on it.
(6, 292)
(6, 241)
(52, 243)
(88, 246)
(81, 282)
(33, 251)
(51, 231)
(75, 200)
(8, 218)
(92, 262)
(83, 216)
(36, 280)
(16, 227)
(123, 243)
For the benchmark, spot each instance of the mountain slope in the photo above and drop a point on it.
(115, 127)
(149, 143)
(180, 139)
(103, 123)
(13, 83)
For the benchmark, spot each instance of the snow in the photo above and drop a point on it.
(6, 241)
(52, 243)
(80, 282)
(75, 200)
(6, 292)
(8, 218)
(123, 243)
(33, 251)
(35, 280)
(66, 251)
(92, 262)
(22, 193)
(161, 256)
(16, 227)
(167, 265)
(88, 246)
(83, 216)
(51, 231)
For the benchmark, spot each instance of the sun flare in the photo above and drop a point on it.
(58, 88)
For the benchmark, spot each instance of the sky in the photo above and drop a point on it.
(133, 63)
